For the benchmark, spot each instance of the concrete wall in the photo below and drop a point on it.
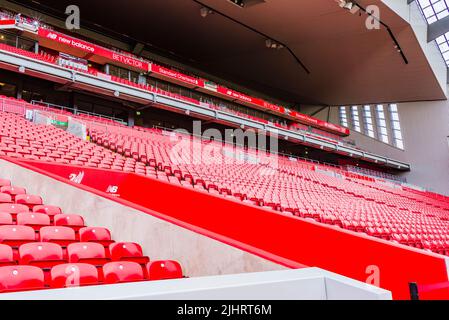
(199, 255)
(302, 284)
(425, 128)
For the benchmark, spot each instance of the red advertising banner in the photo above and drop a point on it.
(93, 49)
(237, 95)
(176, 75)
(7, 22)
(305, 119)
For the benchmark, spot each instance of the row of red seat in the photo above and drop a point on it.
(41, 247)
(27, 277)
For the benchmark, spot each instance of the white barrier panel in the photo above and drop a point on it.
(301, 284)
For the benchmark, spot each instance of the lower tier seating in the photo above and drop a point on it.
(43, 248)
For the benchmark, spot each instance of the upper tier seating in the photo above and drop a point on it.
(37, 252)
(270, 181)
(278, 183)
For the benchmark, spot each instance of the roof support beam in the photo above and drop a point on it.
(138, 48)
(437, 29)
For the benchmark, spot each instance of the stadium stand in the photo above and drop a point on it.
(353, 204)
(44, 247)
(38, 254)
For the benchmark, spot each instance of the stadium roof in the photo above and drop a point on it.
(347, 63)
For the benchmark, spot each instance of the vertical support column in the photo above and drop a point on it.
(131, 118)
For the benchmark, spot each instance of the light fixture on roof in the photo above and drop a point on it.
(239, 3)
(22, 69)
(204, 12)
(271, 44)
(348, 5)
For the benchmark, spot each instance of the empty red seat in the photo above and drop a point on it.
(162, 270)
(13, 191)
(15, 236)
(48, 210)
(60, 235)
(73, 275)
(28, 200)
(5, 219)
(13, 208)
(127, 251)
(73, 221)
(5, 183)
(87, 252)
(44, 255)
(123, 271)
(5, 198)
(6, 255)
(21, 278)
(33, 219)
(99, 235)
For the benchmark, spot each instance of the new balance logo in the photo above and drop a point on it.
(52, 36)
(112, 189)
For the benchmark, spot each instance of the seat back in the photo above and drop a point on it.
(13, 190)
(5, 198)
(48, 234)
(13, 208)
(125, 250)
(49, 210)
(19, 278)
(17, 233)
(28, 199)
(33, 219)
(5, 218)
(73, 275)
(94, 234)
(123, 271)
(162, 270)
(85, 250)
(6, 254)
(67, 220)
(39, 251)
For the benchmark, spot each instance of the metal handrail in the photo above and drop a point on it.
(74, 111)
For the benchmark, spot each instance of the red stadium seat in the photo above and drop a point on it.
(73, 275)
(99, 235)
(44, 255)
(127, 251)
(49, 210)
(60, 235)
(5, 198)
(123, 271)
(13, 208)
(5, 219)
(5, 183)
(13, 191)
(73, 221)
(15, 236)
(21, 278)
(87, 252)
(6, 255)
(29, 200)
(162, 270)
(34, 220)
